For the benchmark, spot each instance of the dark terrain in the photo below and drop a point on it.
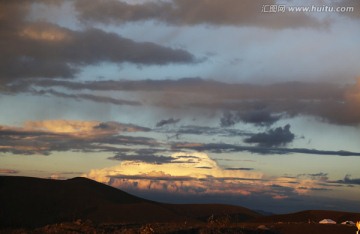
(80, 205)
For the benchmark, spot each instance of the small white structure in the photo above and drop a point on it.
(327, 221)
(348, 223)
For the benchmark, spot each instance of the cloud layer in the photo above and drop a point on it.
(228, 148)
(195, 173)
(187, 12)
(44, 137)
(273, 137)
(46, 50)
(260, 105)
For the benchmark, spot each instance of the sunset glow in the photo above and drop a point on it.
(186, 100)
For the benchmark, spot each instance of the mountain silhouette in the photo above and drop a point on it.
(34, 202)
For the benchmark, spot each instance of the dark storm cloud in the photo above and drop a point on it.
(348, 180)
(228, 119)
(273, 137)
(257, 117)
(167, 122)
(189, 12)
(40, 49)
(223, 148)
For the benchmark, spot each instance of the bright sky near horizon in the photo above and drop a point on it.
(248, 102)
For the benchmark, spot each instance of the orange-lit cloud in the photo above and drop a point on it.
(62, 126)
(43, 137)
(81, 128)
(8, 171)
(194, 165)
(299, 185)
(197, 173)
(353, 94)
(43, 32)
(188, 173)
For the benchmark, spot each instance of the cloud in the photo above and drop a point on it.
(120, 127)
(143, 155)
(228, 119)
(203, 130)
(195, 173)
(45, 50)
(167, 121)
(239, 169)
(194, 165)
(36, 58)
(273, 137)
(222, 148)
(347, 180)
(8, 171)
(142, 158)
(62, 126)
(46, 33)
(188, 12)
(261, 105)
(323, 179)
(81, 127)
(258, 117)
(320, 176)
(89, 97)
(44, 137)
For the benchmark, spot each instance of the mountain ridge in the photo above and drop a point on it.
(34, 202)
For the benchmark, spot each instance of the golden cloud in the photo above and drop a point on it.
(80, 128)
(194, 165)
(62, 126)
(43, 137)
(45, 33)
(197, 173)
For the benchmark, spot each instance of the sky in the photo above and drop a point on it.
(253, 103)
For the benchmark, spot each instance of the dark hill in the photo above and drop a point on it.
(34, 202)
